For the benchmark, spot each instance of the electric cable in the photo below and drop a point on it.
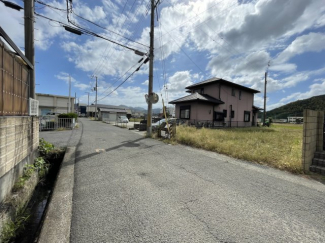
(122, 82)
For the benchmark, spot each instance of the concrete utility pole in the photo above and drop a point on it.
(264, 113)
(29, 42)
(69, 109)
(96, 100)
(75, 101)
(265, 83)
(87, 110)
(151, 56)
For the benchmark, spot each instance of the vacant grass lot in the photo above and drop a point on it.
(279, 146)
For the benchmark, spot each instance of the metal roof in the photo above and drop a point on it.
(197, 97)
(222, 81)
(112, 110)
(109, 106)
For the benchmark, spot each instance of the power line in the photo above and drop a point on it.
(119, 78)
(100, 64)
(85, 31)
(123, 81)
(50, 6)
(110, 30)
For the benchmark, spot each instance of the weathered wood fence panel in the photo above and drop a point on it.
(14, 84)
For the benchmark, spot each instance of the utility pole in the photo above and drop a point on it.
(75, 101)
(69, 109)
(151, 56)
(96, 100)
(29, 42)
(88, 102)
(88, 105)
(264, 113)
(265, 83)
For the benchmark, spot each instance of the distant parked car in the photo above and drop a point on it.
(53, 114)
(158, 123)
(122, 119)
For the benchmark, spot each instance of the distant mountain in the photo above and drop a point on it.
(296, 108)
(156, 111)
(133, 109)
(140, 109)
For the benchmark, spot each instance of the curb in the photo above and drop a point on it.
(57, 221)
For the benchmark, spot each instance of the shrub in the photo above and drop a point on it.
(69, 115)
(44, 147)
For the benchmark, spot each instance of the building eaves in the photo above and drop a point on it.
(112, 110)
(51, 95)
(257, 108)
(197, 97)
(221, 81)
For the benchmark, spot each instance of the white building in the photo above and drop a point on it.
(293, 119)
(54, 104)
(108, 112)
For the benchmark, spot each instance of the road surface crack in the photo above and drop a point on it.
(209, 229)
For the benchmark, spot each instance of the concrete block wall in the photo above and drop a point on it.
(312, 136)
(19, 139)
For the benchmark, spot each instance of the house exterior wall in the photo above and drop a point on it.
(199, 111)
(212, 90)
(238, 105)
(19, 139)
(203, 111)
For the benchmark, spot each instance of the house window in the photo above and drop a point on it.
(185, 112)
(239, 94)
(247, 116)
(232, 114)
(233, 93)
(218, 116)
(202, 91)
(225, 113)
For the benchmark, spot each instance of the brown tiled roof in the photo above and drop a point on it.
(197, 97)
(222, 81)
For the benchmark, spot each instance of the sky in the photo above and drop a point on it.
(237, 40)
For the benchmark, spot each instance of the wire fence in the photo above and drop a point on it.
(214, 124)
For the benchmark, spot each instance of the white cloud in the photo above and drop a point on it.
(129, 96)
(271, 20)
(284, 67)
(93, 14)
(179, 81)
(67, 78)
(12, 23)
(314, 90)
(82, 86)
(145, 82)
(312, 42)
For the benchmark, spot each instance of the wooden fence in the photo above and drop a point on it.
(14, 84)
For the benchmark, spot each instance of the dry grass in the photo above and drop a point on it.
(279, 146)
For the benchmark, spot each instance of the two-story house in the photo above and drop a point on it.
(217, 102)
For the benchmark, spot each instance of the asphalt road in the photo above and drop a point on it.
(132, 189)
